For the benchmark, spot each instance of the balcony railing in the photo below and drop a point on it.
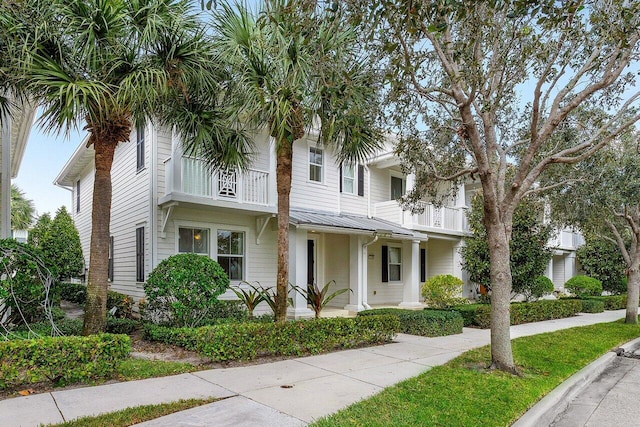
(567, 239)
(445, 218)
(195, 178)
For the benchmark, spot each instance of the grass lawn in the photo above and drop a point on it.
(139, 369)
(464, 393)
(135, 415)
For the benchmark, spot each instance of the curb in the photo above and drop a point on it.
(554, 403)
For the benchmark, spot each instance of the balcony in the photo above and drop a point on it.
(191, 177)
(445, 219)
(567, 239)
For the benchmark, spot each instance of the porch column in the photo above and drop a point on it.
(357, 267)
(411, 274)
(298, 272)
(457, 261)
(549, 272)
(569, 266)
(5, 179)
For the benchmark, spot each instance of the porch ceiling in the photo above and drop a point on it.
(347, 223)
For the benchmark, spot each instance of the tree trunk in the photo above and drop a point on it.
(633, 288)
(283, 178)
(96, 306)
(500, 272)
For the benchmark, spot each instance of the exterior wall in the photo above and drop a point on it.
(379, 292)
(380, 185)
(82, 218)
(306, 194)
(336, 266)
(440, 257)
(558, 272)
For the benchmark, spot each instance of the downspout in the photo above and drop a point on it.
(365, 286)
(153, 196)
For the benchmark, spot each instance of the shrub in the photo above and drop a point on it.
(592, 306)
(226, 311)
(611, 302)
(442, 291)
(23, 283)
(428, 323)
(248, 340)
(61, 246)
(479, 315)
(602, 260)
(540, 286)
(62, 360)
(77, 293)
(584, 286)
(183, 288)
(117, 325)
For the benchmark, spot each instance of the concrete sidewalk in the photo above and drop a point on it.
(286, 393)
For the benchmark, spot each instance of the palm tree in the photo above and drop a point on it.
(22, 210)
(108, 65)
(291, 65)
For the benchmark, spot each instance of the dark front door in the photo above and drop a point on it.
(310, 265)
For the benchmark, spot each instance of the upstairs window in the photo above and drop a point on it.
(139, 147)
(349, 179)
(315, 164)
(78, 196)
(397, 187)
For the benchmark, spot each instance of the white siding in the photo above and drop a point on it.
(305, 194)
(558, 271)
(377, 291)
(439, 257)
(380, 185)
(82, 219)
(352, 203)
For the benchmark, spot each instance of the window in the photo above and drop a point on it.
(231, 253)
(391, 264)
(193, 240)
(110, 271)
(349, 179)
(315, 164)
(397, 187)
(140, 147)
(140, 254)
(78, 196)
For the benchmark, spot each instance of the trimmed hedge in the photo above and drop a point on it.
(77, 293)
(479, 315)
(611, 302)
(592, 306)
(427, 323)
(246, 341)
(62, 360)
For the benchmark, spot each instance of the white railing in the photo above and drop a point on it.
(192, 176)
(445, 217)
(567, 238)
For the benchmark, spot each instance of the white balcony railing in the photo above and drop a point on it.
(446, 217)
(567, 239)
(192, 176)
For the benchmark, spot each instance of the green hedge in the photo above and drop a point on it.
(62, 360)
(246, 341)
(77, 293)
(612, 302)
(479, 315)
(428, 322)
(592, 306)
(68, 327)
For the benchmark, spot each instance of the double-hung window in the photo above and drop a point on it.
(315, 164)
(193, 240)
(391, 263)
(140, 254)
(349, 179)
(231, 253)
(139, 147)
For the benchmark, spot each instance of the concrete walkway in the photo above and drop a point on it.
(286, 393)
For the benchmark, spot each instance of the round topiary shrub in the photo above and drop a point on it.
(443, 291)
(183, 289)
(584, 286)
(539, 287)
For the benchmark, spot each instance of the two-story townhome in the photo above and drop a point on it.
(14, 132)
(346, 224)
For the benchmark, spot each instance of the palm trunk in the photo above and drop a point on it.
(283, 178)
(96, 306)
(501, 282)
(633, 288)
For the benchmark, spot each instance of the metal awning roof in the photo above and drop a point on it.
(347, 223)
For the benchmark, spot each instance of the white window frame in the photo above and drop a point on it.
(353, 178)
(319, 165)
(213, 240)
(404, 183)
(193, 227)
(389, 263)
(242, 256)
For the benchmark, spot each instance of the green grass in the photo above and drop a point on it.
(139, 369)
(464, 393)
(135, 415)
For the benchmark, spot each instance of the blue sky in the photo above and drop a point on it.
(43, 159)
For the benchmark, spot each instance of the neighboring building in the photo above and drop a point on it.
(346, 224)
(14, 132)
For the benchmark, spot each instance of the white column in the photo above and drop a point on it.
(460, 196)
(457, 261)
(569, 266)
(5, 179)
(298, 272)
(272, 189)
(549, 271)
(357, 271)
(411, 274)
(410, 182)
